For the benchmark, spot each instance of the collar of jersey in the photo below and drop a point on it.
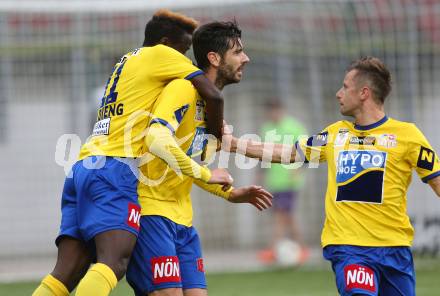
(371, 126)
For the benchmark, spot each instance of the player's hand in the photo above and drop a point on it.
(255, 195)
(229, 142)
(222, 177)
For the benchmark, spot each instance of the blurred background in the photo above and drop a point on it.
(55, 59)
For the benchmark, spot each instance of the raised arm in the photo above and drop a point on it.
(435, 185)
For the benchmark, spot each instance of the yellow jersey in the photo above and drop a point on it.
(369, 171)
(161, 190)
(135, 84)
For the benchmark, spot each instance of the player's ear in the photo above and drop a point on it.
(365, 92)
(214, 58)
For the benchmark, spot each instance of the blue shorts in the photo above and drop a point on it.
(167, 255)
(372, 270)
(100, 195)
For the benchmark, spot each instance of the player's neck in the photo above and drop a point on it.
(212, 75)
(367, 117)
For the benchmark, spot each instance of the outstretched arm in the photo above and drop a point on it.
(435, 185)
(271, 152)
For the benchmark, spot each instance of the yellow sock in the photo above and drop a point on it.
(50, 286)
(98, 281)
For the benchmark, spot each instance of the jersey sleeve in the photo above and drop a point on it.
(215, 189)
(171, 64)
(422, 156)
(312, 149)
(161, 143)
(173, 103)
(167, 114)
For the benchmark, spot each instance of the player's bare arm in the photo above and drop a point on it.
(214, 104)
(275, 153)
(435, 185)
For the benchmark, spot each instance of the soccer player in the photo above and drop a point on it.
(167, 259)
(99, 201)
(367, 234)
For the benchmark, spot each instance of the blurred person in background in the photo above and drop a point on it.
(367, 233)
(285, 183)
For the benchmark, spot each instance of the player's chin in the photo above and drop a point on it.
(344, 112)
(237, 77)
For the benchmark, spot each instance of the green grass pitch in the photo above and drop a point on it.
(299, 282)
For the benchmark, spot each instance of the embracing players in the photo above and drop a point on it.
(167, 259)
(99, 202)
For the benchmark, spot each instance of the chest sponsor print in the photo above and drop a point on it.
(361, 141)
(360, 175)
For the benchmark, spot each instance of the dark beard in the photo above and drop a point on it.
(225, 76)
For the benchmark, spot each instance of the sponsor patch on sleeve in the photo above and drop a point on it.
(426, 158)
(318, 140)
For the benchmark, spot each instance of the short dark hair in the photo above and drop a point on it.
(214, 37)
(169, 24)
(373, 71)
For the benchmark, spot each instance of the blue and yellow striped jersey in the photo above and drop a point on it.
(135, 84)
(369, 171)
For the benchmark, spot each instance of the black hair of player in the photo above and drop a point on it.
(215, 37)
(168, 24)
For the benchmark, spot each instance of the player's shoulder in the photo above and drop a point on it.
(181, 84)
(181, 87)
(163, 50)
(336, 126)
(403, 127)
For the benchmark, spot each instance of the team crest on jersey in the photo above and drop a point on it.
(342, 137)
(200, 110)
(360, 175)
(387, 140)
(359, 277)
(363, 141)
